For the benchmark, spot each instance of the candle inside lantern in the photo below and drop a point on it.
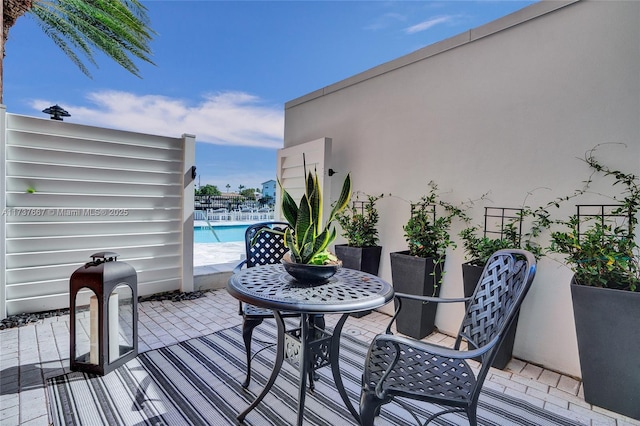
(94, 333)
(113, 330)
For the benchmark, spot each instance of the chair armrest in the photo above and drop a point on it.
(431, 299)
(235, 271)
(239, 266)
(437, 349)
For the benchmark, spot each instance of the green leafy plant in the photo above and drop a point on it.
(601, 248)
(359, 223)
(478, 250)
(427, 233)
(308, 237)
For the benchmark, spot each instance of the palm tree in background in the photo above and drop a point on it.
(119, 28)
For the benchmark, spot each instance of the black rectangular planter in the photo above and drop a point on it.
(608, 345)
(470, 276)
(418, 276)
(365, 259)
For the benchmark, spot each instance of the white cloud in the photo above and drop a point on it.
(425, 25)
(385, 21)
(226, 118)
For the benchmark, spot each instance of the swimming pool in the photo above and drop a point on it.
(226, 233)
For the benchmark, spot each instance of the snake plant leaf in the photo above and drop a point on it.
(315, 202)
(303, 224)
(343, 200)
(324, 239)
(289, 208)
(289, 242)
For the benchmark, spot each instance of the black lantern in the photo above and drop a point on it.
(104, 314)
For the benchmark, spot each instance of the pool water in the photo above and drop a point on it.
(226, 233)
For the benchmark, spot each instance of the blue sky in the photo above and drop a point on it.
(224, 70)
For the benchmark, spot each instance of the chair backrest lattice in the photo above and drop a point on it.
(496, 300)
(265, 243)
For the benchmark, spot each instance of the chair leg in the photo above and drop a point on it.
(247, 331)
(472, 415)
(370, 406)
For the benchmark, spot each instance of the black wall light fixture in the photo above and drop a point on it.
(56, 112)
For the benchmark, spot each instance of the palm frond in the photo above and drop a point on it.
(118, 28)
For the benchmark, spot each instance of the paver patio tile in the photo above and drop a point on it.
(597, 418)
(569, 384)
(569, 397)
(568, 413)
(531, 371)
(532, 383)
(547, 397)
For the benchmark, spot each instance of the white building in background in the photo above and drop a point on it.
(269, 189)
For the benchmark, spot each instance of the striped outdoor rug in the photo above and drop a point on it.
(198, 382)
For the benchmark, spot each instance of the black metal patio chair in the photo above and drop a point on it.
(264, 245)
(399, 367)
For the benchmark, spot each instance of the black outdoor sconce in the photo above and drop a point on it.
(56, 112)
(106, 335)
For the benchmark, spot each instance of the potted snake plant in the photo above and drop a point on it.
(308, 238)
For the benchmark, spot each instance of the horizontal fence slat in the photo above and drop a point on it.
(49, 229)
(88, 201)
(69, 171)
(72, 144)
(83, 255)
(51, 156)
(87, 186)
(147, 270)
(62, 215)
(88, 133)
(29, 244)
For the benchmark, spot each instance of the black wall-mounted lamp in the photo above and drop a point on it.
(56, 112)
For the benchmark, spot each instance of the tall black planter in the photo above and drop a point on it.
(419, 276)
(608, 345)
(365, 259)
(470, 276)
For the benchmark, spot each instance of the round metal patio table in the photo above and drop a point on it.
(348, 291)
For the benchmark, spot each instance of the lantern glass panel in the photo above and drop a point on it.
(121, 333)
(86, 327)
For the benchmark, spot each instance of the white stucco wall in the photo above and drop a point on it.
(507, 113)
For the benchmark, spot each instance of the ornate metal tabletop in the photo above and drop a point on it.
(270, 286)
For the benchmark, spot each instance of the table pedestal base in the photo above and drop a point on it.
(308, 348)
